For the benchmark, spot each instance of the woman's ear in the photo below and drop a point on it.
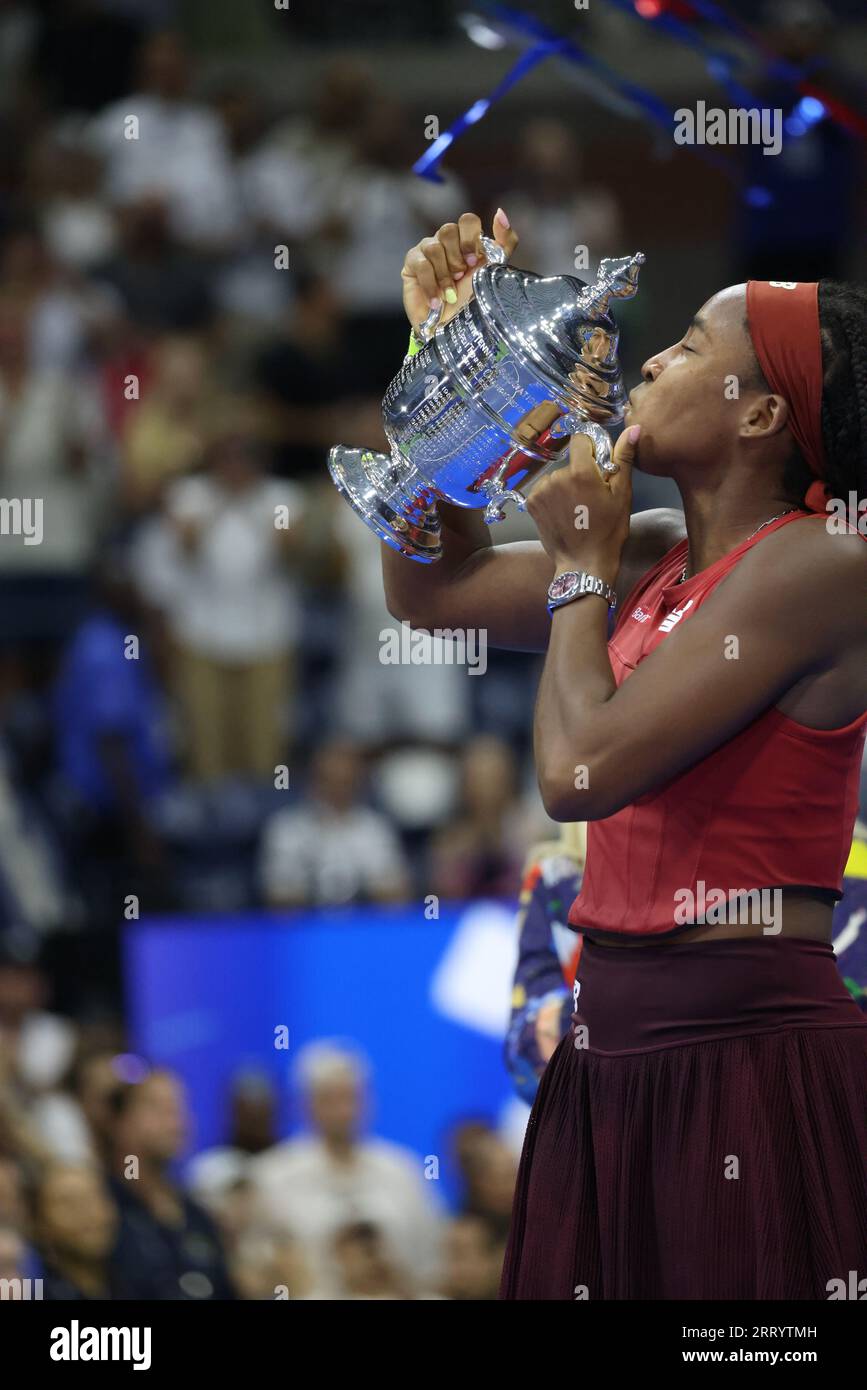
(765, 416)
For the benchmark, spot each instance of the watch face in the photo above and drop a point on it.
(563, 586)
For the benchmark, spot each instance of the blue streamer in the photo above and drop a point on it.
(545, 44)
(427, 167)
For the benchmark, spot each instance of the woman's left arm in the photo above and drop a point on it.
(786, 611)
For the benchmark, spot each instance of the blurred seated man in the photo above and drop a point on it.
(168, 1247)
(75, 1225)
(472, 1260)
(214, 1174)
(271, 1265)
(488, 1169)
(365, 1268)
(317, 1183)
(332, 848)
(480, 853)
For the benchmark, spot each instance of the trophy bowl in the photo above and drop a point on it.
(489, 400)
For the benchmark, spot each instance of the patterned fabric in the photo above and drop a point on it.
(547, 955)
(546, 966)
(850, 921)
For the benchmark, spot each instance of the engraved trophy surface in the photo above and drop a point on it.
(490, 400)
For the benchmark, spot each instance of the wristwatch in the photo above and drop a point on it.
(572, 584)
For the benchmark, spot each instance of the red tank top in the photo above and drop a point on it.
(773, 806)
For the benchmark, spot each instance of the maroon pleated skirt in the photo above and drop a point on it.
(701, 1131)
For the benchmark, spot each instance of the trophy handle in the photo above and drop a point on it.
(498, 495)
(494, 255)
(571, 424)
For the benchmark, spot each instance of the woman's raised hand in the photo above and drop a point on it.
(440, 267)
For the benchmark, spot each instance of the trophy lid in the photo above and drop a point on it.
(562, 328)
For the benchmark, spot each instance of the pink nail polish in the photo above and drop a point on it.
(471, 259)
(502, 218)
(633, 432)
(458, 275)
(436, 304)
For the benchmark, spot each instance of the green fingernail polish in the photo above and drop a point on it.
(451, 296)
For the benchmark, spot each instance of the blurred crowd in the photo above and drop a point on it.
(199, 294)
(92, 1206)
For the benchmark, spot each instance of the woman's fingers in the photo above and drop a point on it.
(504, 235)
(449, 238)
(435, 253)
(469, 237)
(418, 268)
(434, 270)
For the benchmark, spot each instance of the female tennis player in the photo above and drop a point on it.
(702, 1132)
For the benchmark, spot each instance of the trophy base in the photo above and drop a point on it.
(358, 475)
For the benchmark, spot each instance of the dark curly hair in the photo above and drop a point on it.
(843, 325)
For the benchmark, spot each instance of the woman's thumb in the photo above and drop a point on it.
(626, 448)
(503, 234)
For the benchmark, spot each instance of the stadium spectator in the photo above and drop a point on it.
(472, 1260)
(318, 386)
(113, 751)
(75, 1225)
(380, 210)
(316, 1184)
(333, 849)
(36, 1045)
(167, 434)
(157, 142)
(167, 1247)
(365, 1270)
(13, 1262)
(218, 1177)
(231, 610)
(55, 465)
(270, 1265)
(74, 1121)
(556, 207)
(318, 152)
(487, 1168)
(160, 285)
(481, 852)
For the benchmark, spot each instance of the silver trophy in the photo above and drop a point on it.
(490, 399)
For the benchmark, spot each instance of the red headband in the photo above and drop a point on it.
(783, 317)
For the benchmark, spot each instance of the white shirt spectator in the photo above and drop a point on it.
(386, 213)
(51, 449)
(319, 855)
(59, 1123)
(232, 599)
(179, 153)
(304, 1191)
(376, 700)
(552, 232)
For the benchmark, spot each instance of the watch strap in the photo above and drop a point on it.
(583, 584)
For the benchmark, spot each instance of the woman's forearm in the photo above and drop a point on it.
(413, 591)
(577, 681)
